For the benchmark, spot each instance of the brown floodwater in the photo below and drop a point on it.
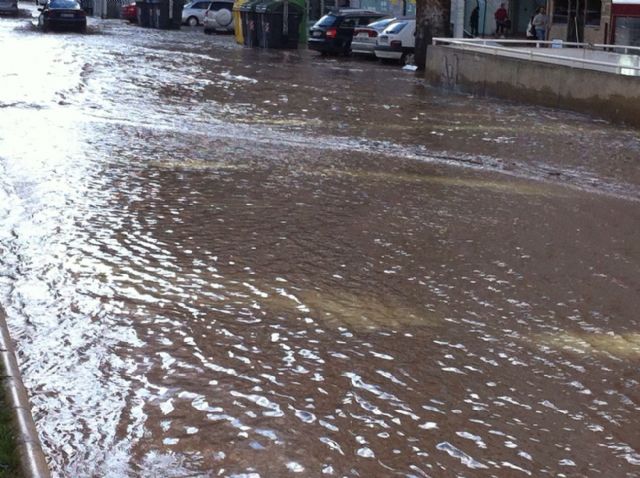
(224, 262)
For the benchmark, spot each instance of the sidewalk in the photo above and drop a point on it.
(20, 447)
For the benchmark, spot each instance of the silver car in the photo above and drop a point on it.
(364, 38)
(219, 17)
(193, 12)
(8, 7)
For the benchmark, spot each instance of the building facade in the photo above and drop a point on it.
(583, 21)
(625, 23)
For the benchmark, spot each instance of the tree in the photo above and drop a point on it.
(432, 20)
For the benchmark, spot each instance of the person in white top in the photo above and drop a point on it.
(540, 22)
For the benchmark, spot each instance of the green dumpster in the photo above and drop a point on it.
(249, 24)
(279, 23)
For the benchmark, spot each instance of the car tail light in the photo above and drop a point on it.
(395, 44)
(331, 33)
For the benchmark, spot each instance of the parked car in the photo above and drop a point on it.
(129, 12)
(398, 41)
(62, 15)
(8, 7)
(193, 13)
(333, 32)
(364, 38)
(219, 17)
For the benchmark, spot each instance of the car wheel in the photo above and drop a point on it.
(192, 21)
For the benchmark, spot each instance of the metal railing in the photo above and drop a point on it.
(494, 46)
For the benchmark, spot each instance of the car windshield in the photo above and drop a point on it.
(63, 4)
(396, 27)
(327, 21)
(380, 24)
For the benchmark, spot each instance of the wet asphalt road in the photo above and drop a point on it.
(227, 262)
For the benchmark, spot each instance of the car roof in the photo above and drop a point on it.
(354, 11)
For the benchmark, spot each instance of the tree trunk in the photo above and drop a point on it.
(432, 20)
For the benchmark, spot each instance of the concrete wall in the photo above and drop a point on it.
(607, 95)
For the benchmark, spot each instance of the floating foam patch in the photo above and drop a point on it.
(620, 346)
(510, 187)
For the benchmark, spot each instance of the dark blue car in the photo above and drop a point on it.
(62, 15)
(333, 32)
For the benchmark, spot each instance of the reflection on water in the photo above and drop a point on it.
(197, 289)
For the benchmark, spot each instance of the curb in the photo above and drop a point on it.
(32, 459)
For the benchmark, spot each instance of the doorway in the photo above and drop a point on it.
(520, 13)
(575, 20)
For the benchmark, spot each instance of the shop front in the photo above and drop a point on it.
(579, 21)
(625, 22)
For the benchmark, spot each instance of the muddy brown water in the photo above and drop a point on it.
(225, 262)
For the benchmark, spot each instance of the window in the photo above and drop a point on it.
(363, 21)
(587, 11)
(560, 11)
(64, 4)
(348, 23)
(592, 11)
(327, 21)
(381, 24)
(396, 28)
(627, 31)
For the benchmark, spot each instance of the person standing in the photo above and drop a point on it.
(474, 21)
(502, 18)
(540, 22)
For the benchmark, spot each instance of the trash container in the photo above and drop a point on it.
(279, 22)
(170, 14)
(237, 21)
(258, 22)
(144, 17)
(248, 20)
(165, 14)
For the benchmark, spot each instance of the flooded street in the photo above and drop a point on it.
(218, 261)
